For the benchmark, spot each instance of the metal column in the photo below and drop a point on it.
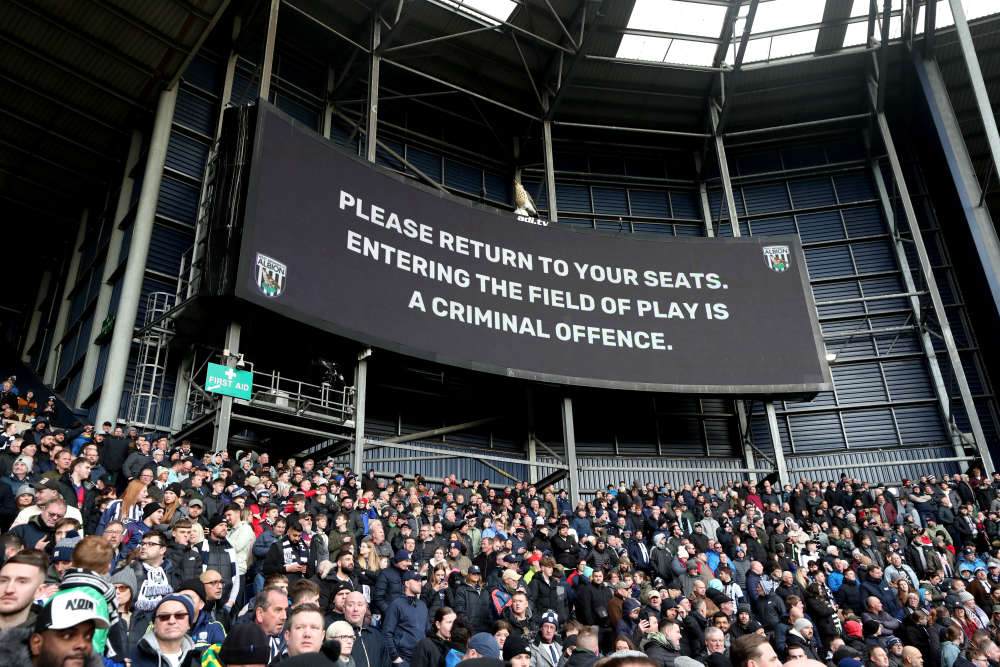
(978, 84)
(939, 310)
(569, 442)
(779, 452)
(374, 65)
(963, 173)
(182, 386)
(88, 374)
(734, 224)
(268, 65)
(52, 365)
(550, 172)
(132, 279)
(940, 390)
(36, 315)
(224, 415)
(360, 397)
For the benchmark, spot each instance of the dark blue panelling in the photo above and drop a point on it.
(870, 428)
(582, 222)
(78, 300)
(95, 281)
(150, 285)
(858, 383)
(384, 158)
(759, 163)
(572, 197)
(649, 203)
(812, 192)
(844, 151)
(835, 291)
(83, 341)
(853, 187)
(307, 115)
(202, 73)
(72, 388)
(685, 205)
(689, 230)
(497, 188)
(428, 163)
(769, 198)
(245, 89)
(864, 221)
(167, 247)
(463, 177)
(342, 134)
(873, 256)
(538, 192)
(102, 366)
(725, 229)
(300, 74)
(773, 226)
(816, 432)
(919, 424)
(805, 156)
(908, 378)
(883, 286)
(644, 168)
(827, 262)
(178, 201)
(616, 226)
(610, 200)
(194, 112)
(715, 197)
(653, 228)
(186, 155)
(825, 226)
(607, 165)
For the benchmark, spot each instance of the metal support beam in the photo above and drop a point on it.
(940, 389)
(101, 309)
(733, 79)
(435, 432)
(52, 365)
(550, 172)
(182, 388)
(224, 415)
(930, 28)
(968, 49)
(779, 452)
(132, 279)
(727, 183)
(374, 67)
(268, 65)
(569, 443)
(36, 315)
(471, 453)
(963, 174)
(360, 398)
(958, 371)
(746, 441)
(566, 78)
(883, 58)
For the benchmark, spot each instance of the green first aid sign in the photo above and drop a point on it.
(228, 381)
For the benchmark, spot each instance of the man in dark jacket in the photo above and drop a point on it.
(138, 460)
(592, 600)
(873, 585)
(389, 584)
(546, 592)
(370, 649)
(289, 556)
(849, 595)
(39, 532)
(219, 555)
(78, 492)
(114, 453)
(405, 620)
(185, 558)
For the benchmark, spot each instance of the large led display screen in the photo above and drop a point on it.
(367, 254)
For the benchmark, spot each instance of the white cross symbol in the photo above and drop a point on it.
(230, 373)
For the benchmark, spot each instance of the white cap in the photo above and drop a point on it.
(70, 608)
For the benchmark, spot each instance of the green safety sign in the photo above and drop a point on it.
(228, 381)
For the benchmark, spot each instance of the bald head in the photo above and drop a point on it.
(355, 609)
(912, 657)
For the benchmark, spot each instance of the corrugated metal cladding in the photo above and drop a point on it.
(883, 395)
(877, 466)
(612, 470)
(437, 466)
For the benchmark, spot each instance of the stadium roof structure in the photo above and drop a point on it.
(77, 76)
(75, 79)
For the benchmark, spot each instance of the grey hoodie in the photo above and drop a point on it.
(147, 652)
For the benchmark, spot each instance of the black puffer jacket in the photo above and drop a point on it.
(474, 606)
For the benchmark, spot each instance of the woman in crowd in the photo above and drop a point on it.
(128, 508)
(431, 650)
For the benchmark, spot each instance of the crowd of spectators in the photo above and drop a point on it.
(122, 549)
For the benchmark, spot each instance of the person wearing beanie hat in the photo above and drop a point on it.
(219, 555)
(516, 651)
(801, 634)
(168, 637)
(545, 651)
(246, 645)
(205, 630)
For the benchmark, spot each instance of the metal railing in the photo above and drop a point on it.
(320, 401)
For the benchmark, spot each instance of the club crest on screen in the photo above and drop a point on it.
(777, 257)
(270, 275)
